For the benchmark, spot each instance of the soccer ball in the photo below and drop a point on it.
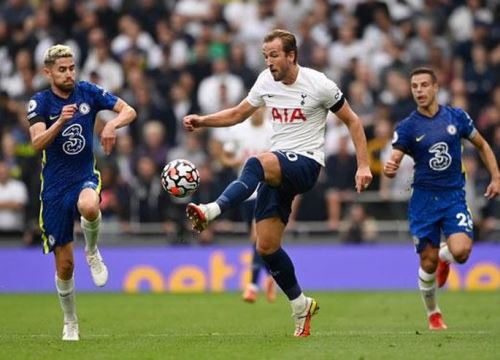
(180, 178)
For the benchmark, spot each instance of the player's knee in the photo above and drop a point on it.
(429, 266)
(88, 208)
(271, 166)
(266, 248)
(429, 263)
(463, 254)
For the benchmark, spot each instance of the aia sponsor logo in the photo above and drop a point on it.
(288, 115)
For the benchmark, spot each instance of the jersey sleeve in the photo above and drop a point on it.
(330, 95)
(36, 110)
(466, 124)
(401, 139)
(256, 95)
(103, 100)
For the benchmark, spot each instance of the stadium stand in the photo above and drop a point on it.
(169, 58)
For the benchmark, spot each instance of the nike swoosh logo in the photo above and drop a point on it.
(419, 139)
(54, 117)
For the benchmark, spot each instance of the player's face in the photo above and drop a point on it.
(276, 59)
(423, 89)
(62, 74)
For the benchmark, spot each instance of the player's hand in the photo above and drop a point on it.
(363, 178)
(108, 137)
(493, 188)
(191, 122)
(391, 168)
(67, 112)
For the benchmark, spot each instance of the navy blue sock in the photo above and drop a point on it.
(281, 268)
(239, 190)
(257, 265)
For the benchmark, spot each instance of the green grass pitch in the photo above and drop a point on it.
(350, 325)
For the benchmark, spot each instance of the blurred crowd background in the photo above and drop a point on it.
(170, 58)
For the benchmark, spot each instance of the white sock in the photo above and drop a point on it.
(66, 293)
(212, 210)
(445, 255)
(90, 232)
(299, 305)
(427, 286)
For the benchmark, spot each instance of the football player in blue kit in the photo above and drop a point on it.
(432, 136)
(61, 126)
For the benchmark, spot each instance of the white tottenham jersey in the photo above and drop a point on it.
(298, 111)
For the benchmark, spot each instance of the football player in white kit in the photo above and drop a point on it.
(299, 99)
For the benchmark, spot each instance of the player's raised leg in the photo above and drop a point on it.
(235, 193)
(456, 250)
(88, 206)
(427, 286)
(65, 286)
(270, 232)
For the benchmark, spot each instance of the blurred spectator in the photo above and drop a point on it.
(124, 157)
(115, 197)
(182, 105)
(106, 15)
(365, 12)
(153, 143)
(349, 47)
(100, 62)
(149, 13)
(15, 12)
(383, 132)
(220, 90)
(63, 15)
(421, 46)
(147, 201)
(478, 76)
(238, 65)
(133, 38)
(398, 96)
(13, 198)
(191, 148)
(340, 171)
(461, 20)
(358, 228)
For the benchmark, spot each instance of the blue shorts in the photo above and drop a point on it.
(433, 212)
(298, 175)
(58, 214)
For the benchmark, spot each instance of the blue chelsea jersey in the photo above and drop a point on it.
(69, 158)
(435, 145)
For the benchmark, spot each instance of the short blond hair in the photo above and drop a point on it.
(56, 52)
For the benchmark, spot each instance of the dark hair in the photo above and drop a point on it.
(424, 70)
(287, 39)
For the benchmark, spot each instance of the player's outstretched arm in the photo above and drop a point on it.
(490, 161)
(41, 137)
(363, 174)
(392, 165)
(223, 118)
(126, 114)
